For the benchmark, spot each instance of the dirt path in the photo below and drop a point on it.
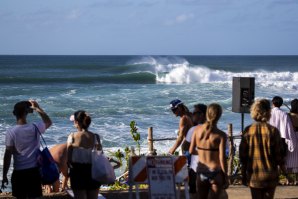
(242, 192)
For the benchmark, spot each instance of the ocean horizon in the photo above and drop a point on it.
(115, 90)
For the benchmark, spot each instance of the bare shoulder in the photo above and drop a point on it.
(74, 138)
(73, 134)
(198, 129)
(186, 119)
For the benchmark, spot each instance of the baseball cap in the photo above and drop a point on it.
(174, 103)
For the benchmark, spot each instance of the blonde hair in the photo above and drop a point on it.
(260, 111)
(213, 114)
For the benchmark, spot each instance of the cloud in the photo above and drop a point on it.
(182, 18)
(74, 14)
(179, 19)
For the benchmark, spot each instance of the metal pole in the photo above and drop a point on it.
(231, 152)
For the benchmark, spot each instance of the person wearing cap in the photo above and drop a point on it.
(198, 118)
(79, 147)
(185, 123)
(22, 143)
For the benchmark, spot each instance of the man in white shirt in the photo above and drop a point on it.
(199, 117)
(281, 120)
(22, 142)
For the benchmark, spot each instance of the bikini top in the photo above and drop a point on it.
(210, 149)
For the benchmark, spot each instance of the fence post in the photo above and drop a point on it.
(150, 141)
(231, 152)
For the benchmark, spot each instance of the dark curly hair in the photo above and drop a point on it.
(83, 119)
(277, 101)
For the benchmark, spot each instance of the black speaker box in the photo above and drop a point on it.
(243, 94)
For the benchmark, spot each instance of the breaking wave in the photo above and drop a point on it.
(180, 71)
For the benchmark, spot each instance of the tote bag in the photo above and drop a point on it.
(102, 170)
(48, 168)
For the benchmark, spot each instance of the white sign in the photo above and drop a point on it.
(161, 177)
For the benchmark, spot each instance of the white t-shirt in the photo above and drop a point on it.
(194, 158)
(282, 121)
(25, 140)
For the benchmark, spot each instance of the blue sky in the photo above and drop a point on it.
(149, 27)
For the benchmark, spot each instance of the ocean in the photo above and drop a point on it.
(115, 90)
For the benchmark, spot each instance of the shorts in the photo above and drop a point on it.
(80, 177)
(26, 183)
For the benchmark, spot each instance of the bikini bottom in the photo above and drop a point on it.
(208, 175)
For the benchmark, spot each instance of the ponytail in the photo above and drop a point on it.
(210, 125)
(86, 122)
(213, 114)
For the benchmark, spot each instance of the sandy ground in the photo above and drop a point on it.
(242, 192)
(234, 192)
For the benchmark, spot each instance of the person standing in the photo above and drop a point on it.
(260, 153)
(79, 148)
(185, 123)
(198, 118)
(22, 142)
(292, 156)
(281, 120)
(294, 114)
(209, 143)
